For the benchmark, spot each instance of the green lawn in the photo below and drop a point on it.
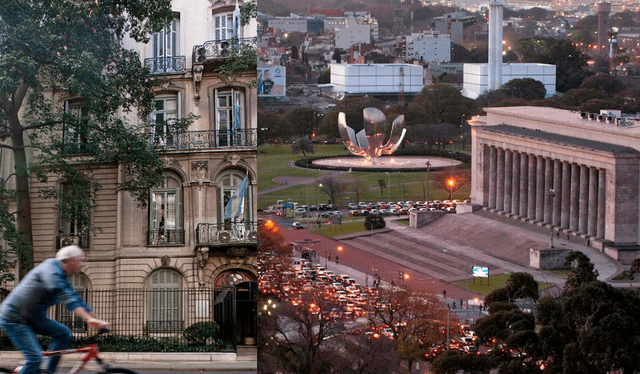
(273, 161)
(490, 284)
(349, 227)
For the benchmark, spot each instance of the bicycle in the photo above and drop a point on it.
(92, 353)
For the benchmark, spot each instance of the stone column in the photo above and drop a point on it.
(566, 195)
(493, 176)
(593, 202)
(548, 185)
(524, 201)
(557, 187)
(602, 185)
(500, 185)
(540, 191)
(508, 176)
(575, 197)
(485, 175)
(531, 188)
(515, 184)
(584, 199)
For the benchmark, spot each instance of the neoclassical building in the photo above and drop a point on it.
(576, 172)
(176, 261)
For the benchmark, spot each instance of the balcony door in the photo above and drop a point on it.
(229, 124)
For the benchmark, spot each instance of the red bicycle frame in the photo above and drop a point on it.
(91, 350)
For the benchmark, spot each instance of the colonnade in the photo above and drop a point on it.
(555, 192)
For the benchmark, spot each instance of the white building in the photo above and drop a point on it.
(288, 24)
(476, 77)
(429, 46)
(353, 33)
(376, 78)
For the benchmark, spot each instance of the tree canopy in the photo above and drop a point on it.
(77, 47)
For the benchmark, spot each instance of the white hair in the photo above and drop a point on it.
(70, 251)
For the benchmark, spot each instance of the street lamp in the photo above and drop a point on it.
(451, 182)
(428, 186)
(372, 241)
(339, 251)
(318, 202)
(552, 195)
(388, 187)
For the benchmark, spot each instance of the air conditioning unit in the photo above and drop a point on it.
(601, 117)
(592, 116)
(201, 54)
(611, 119)
(69, 240)
(224, 236)
(620, 122)
(584, 115)
(253, 235)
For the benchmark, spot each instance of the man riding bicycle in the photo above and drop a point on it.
(23, 314)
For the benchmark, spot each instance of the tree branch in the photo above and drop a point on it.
(2, 145)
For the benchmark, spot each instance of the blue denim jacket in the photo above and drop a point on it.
(38, 290)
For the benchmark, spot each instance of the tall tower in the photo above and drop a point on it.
(603, 27)
(495, 44)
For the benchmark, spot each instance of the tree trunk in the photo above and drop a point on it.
(23, 199)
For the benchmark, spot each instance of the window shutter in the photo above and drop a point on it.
(216, 105)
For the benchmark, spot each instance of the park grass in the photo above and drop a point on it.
(349, 227)
(273, 161)
(564, 273)
(492, 283)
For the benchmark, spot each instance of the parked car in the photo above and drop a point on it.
(354, 213)
(297, 225)
(352, 206)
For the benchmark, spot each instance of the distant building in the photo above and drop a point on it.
(428, 46)
(454, 24)
(376, 78)
(476, 77)
(288, 24)
(352, 33)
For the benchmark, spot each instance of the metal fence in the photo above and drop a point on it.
(154, 313)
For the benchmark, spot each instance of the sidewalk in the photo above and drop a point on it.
(245, 360)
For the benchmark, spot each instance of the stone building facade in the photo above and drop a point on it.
(181, 241)
(576, 172)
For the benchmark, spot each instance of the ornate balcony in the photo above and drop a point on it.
(166, 65)
(206, 140)
(229, 233)
(214, 49)
(165, 237)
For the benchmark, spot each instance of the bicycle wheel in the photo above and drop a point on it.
(120, 371)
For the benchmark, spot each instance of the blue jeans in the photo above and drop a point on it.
(23, 338)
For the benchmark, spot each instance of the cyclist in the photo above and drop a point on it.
(23, 314)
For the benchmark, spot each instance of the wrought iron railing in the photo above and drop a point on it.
(160, 313)
(207, 139)
(82, 240)
(220, 48)
(231, 232)
(165, 237)
(166, 65)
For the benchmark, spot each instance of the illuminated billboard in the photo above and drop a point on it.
(272, 81)
(480, 272)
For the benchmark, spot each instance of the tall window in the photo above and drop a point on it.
(165, 41)
(165, 213)
(228, 185)
(230, 118)
(223, 26)
(165, 301)
(76, 128)
(167, 109)
(74, 217)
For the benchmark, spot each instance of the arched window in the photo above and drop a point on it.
(229, 186)
(165, 301)
(165, 213)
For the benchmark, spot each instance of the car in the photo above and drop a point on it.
(394, 211)
(336, 213)
(354, 213)
(450, 210)
(297, 225)
(364, 212)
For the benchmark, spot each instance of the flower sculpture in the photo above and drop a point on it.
(368, 141)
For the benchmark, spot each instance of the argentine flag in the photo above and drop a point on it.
(234, 206)
(236, 22)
